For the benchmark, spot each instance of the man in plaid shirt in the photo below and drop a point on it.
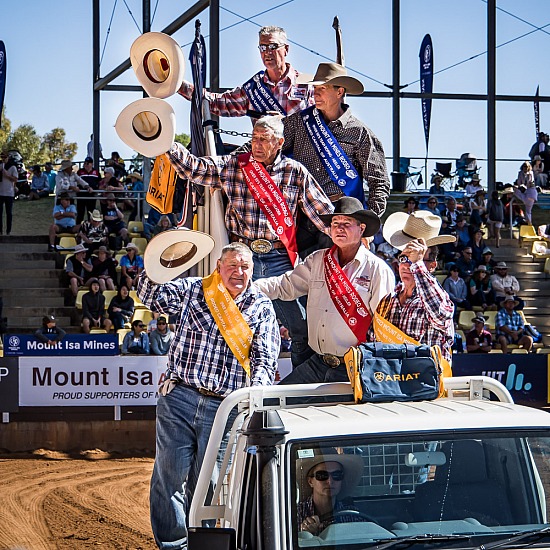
(279, 77)
(511, 327)
(245, 220)
(202, 371)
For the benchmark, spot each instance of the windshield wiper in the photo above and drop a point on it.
(411, 541)
(536, 534)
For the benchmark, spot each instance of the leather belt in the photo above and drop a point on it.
(204, 391)
(333, 361)
(259, 246)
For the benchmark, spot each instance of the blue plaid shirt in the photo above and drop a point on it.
(198, 355)
(513, 321)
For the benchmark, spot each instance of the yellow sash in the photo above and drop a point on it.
(228, 318)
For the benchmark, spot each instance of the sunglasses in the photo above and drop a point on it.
(141, 326)
(161, 323)
(323, 475)
(404, 259)
(270, 47)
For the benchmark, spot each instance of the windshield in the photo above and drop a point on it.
(459, 491)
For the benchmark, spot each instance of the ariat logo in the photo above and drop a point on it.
(383, 377)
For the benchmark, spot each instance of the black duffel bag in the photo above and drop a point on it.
(392, 372)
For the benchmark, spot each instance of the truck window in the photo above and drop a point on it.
(360, 491)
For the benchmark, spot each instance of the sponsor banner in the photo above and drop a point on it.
(17, 345)
(87, 381)
(9, 385)
(426, 83)
(525, 376)
(3, 68)
(536, 108)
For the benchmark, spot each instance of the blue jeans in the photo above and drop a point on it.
(6, 202)
(184, 422)
(315, 370)
(291, 314)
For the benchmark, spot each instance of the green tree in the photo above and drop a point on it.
(25, 140)
(5, 129)
(184, 139)
(56, 148)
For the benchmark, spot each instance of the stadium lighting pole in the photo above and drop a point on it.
(491, 94)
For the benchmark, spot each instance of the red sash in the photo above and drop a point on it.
(346, 299)
(271, 202)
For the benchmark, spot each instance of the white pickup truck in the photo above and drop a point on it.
(471, 470)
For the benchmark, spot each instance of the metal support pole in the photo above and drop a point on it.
(491, 94)
(214, 54)
(396, 146)
(96, 103)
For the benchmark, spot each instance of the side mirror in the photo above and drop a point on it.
(212, 538)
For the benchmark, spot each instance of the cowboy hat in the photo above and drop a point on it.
(475, 177)
(481, 268)
(132, 246)
(80, 248)
(479, 319)
(486, 250)
(173, 252)
(510, 299)
(66, 164)
(136, 175)
(501, 265)
(335, 75)
(148, 126)
(352, 207)
(159, 64)
(96, 216)
(401, 228)
(352, 465)
(507, 189)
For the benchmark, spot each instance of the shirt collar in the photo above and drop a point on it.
(286, 76)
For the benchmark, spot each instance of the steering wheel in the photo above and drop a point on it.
(332, 517)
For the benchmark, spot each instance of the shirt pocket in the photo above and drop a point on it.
(199, 318)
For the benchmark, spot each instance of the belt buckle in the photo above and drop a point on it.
(332, 361)
(261, 246)
(208, 393)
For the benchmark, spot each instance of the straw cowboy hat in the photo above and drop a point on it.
(335, 75)
(66, 164)
(508, 189)
(136, 175)
(401, 228)
(352, 207)
(96, 216)
(509, 299)
(159, 64)
(351, 464)
(79, 248)
(148, 126)
(173, 252)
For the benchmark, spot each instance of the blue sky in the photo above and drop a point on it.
(49, 51)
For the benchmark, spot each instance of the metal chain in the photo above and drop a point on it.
(232, 133)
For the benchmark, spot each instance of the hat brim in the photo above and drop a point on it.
(146, 55)
(393, 232)
(353, 470)
(160, 263)
(352, 85)
(148, 126)
(368, 217)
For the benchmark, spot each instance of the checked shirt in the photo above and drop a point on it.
(199, 355)
(244, 217)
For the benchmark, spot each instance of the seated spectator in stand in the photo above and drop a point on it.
(109, 184)
(466, 264)
(135, 183)
(117, 164)
(451, 211)
(411, 205)
(113, 219)
(477, 244)
(104, 269)
(457, 290)
(78, 269)
(121, 307)
(487, 260)
(93, 308)
(510, 326)
(541, 178)
(473, 187)
(451, 252)
(505, 285)
(164, 224)
(432, 206)
(64, 215)
(91, 176)
(518, 215)
(49, 333)
(136, 342)
(131, 265)
(67, 181)
(528, 195)
(437, 188)
(51, 174)
(462, 230)
(495, 217)
(93, 233)
(40, 186)
(480, 289)
(478, 208)
(161, 338)
(479, 340)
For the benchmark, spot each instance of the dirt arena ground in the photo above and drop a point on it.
(51, 500)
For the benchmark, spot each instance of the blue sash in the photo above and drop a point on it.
(337, 164)
(260, 95)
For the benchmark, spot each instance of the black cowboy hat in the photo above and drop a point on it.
(352, 207)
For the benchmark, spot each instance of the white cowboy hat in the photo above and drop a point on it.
(159, 64)
(333, 74)
(173, 252)
(148, 126)
(401, 228)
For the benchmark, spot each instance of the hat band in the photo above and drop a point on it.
(171, 261)
(156, 66)
(140, 120)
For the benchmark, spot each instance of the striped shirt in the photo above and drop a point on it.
(359, 143)
(427, 316)
(235, 102)
(243, 217)
(199, 355)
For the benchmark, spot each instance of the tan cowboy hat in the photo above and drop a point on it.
(148, 126)
(351, 464)
(352, 207)
(173, 252)
(96, 216)
(335, 75)
(66, 164)
(136, 175)
(401, 228)
(507, 189)
(159, 64)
